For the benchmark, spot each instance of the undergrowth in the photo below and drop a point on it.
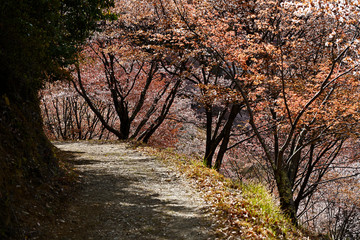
(241, 211)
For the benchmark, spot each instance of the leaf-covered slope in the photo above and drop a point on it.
(245, 211)
(26, 158)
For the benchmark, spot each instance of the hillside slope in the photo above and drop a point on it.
(241, 211)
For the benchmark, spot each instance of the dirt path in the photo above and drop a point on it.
(126, 195)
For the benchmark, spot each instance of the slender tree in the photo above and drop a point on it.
(140, 91)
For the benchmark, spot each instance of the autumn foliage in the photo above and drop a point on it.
(275, 79)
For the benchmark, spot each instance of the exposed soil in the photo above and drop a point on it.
(126, 195)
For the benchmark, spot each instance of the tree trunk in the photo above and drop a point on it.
(235, 109)
(125, 122)
(209, 151)
(287, 203)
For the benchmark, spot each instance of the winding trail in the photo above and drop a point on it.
(127, 195)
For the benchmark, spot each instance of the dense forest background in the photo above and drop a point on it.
(263, 91)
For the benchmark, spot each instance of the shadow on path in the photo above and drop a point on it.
(122, 198)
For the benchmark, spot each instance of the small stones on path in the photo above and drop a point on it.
(127, 195)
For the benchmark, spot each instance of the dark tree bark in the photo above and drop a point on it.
(164, 112)
(122, 90)
(235, 109)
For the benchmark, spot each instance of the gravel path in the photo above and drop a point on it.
(127, 195)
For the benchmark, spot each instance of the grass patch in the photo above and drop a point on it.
(241, 211)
